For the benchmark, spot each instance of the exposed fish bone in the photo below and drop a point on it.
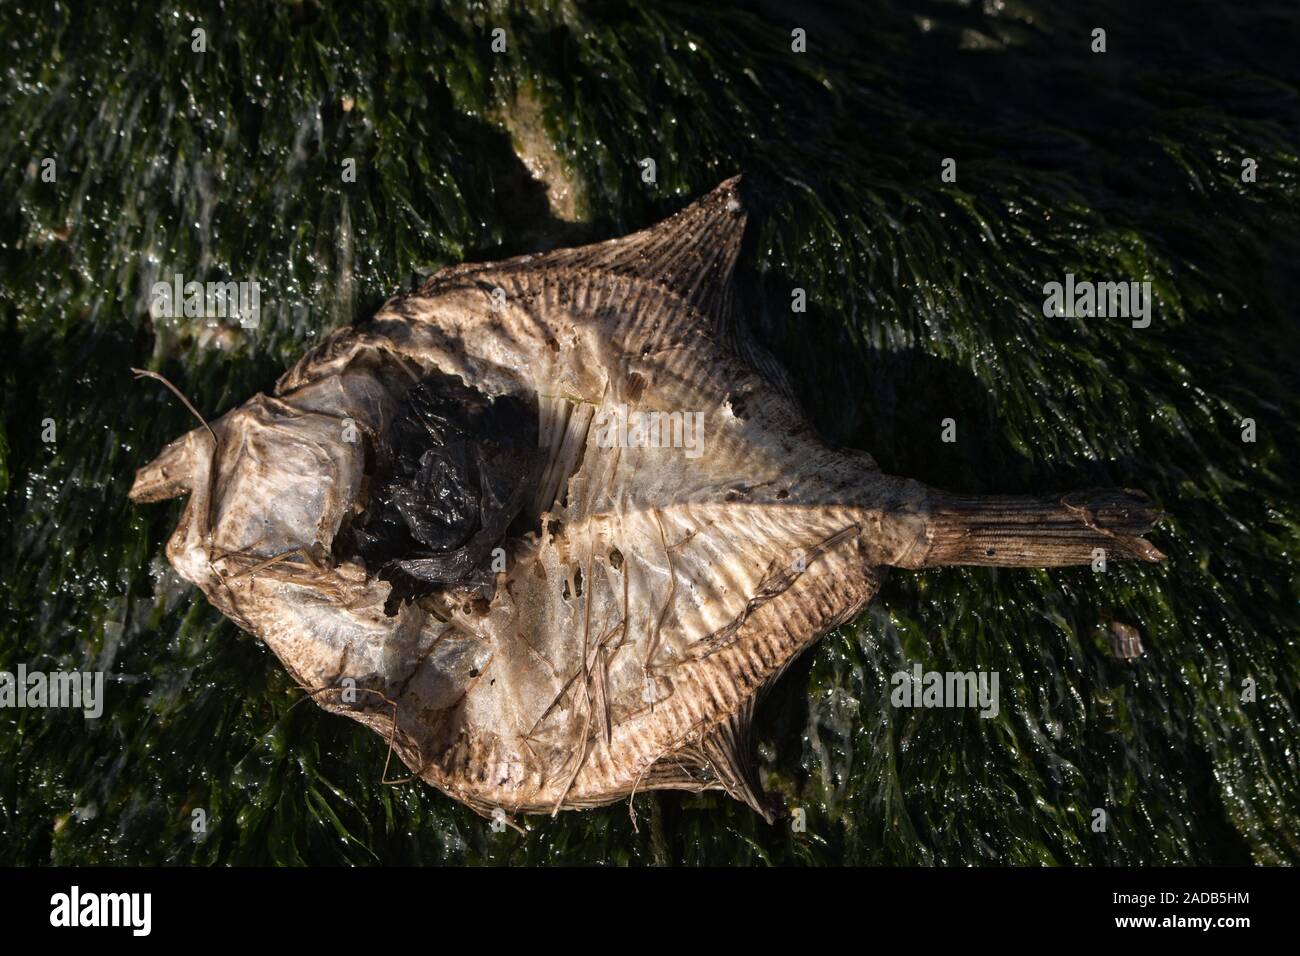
(654, 595)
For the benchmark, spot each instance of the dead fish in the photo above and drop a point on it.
(641, 598)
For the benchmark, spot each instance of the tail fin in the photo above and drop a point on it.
(1013, 531)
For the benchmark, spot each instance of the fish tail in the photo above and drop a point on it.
(1081, 527)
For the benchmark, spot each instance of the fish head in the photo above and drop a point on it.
(272, 480)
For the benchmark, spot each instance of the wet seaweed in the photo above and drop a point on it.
(923, 302)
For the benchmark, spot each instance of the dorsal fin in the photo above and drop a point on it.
(691, 253)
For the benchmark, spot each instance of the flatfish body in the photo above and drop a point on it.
(682, 533)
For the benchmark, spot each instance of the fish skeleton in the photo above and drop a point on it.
(624, 627)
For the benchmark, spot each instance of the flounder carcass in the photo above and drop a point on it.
(551, 525)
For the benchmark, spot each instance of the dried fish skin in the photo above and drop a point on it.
(654, 596)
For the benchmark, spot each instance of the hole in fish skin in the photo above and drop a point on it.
(636, 384)
(449, 480)
(616, 559)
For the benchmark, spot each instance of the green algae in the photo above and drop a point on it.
(924, 302)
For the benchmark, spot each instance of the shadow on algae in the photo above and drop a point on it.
(925, 301)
